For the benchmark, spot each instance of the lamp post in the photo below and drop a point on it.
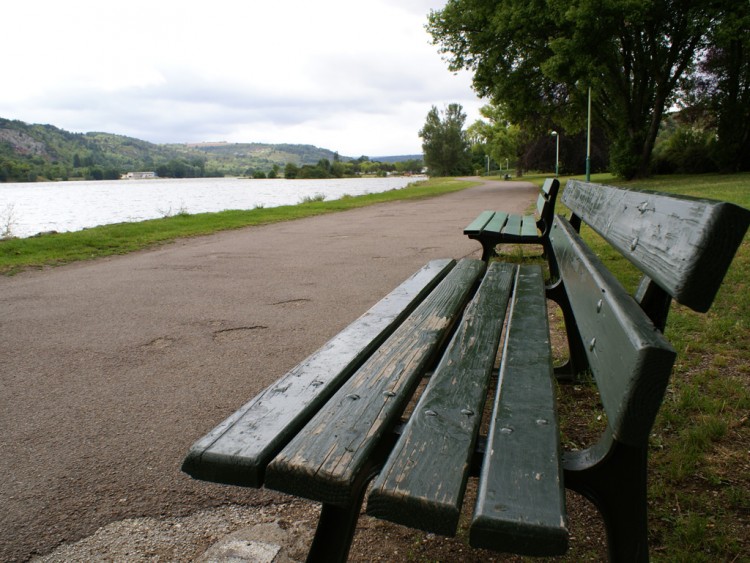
(488, 164)
(588, 141)
(557, 153)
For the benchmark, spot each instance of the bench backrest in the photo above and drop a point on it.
(683, 246)
(545, 203)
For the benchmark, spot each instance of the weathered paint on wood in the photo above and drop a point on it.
(521, 498)
(237, 451)
(325, 461)
(683, 244)
(629, 358)
(422, 484)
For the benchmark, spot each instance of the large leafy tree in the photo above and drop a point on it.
(444, 142)
(725, 69)
(539, 57)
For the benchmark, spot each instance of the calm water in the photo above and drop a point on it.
(27, 209)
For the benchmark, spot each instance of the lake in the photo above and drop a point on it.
(30, 208)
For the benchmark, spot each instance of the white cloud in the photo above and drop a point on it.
(357, 77)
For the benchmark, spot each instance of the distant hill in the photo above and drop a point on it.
(257, 156)
(29, 152)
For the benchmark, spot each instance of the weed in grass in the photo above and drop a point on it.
(312, 198)
(7, 222)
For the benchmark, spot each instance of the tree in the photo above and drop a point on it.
(501, 137)
(538, 59)
(725, 85)
(444, 142)
(290, 171)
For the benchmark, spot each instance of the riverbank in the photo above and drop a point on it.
(121, 238)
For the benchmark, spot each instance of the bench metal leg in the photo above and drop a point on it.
(335, 532)
(488, 250)
(337, 523)
(616, 484)
(577, 361)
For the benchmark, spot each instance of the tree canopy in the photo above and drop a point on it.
(444, 142)
(537, 58)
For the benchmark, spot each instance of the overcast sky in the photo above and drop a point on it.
(353, 76)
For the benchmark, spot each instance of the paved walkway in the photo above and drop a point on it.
(112, 368)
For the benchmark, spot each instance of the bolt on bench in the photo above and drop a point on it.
(336, 420)
(491, 228)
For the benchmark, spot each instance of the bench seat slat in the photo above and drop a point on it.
(325, 461)
(478, 224)
(513, 226)
(237, 451)
(422, 484)
(497, 223)
(528, 227)
(521, 498)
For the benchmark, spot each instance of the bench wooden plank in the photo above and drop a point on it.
(238, 450)
(478, 224)
(541, 201)
(423, 482)
(684, 244)
(547, 193)
(496, 224)
(521, 498)
(630, 359)
(325, 461)
(528, 227)
(512, 226)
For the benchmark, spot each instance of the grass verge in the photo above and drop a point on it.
(61, 248)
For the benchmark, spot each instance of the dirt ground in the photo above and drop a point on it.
(111, 369)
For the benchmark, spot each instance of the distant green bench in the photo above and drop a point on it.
(337, 420)
(491, 228)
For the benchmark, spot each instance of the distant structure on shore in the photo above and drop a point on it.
(206, 144)
(138, 176)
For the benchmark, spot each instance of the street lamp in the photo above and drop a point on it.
(488, 164)
(557, 153)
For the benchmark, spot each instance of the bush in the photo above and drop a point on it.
(687, 150)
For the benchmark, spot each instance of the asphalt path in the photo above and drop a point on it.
(111, 369)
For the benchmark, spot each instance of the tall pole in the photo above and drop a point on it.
(557, 153)
(488, 164)
(588, 141)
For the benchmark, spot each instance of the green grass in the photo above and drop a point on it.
(121, 238)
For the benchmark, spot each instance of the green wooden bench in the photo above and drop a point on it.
(491, 228)
(355, 410)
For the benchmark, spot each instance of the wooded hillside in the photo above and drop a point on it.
(31, 152)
